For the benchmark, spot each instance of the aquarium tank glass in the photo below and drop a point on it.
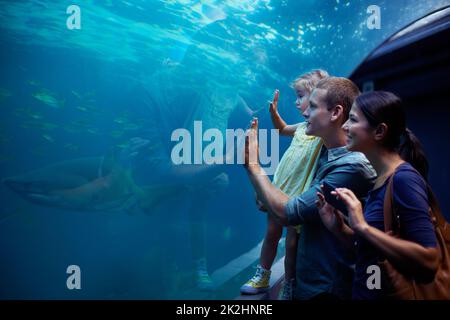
(108, 109)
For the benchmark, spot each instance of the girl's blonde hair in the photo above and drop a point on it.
(309, 80)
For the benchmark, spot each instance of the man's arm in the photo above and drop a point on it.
(303, 209)
(273, 199)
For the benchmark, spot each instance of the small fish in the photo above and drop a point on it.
(122, 146)
(116, 133)
(86, 97)
(76, 94)
(81, 123)
(49, 98)
(93, 131)
(48, 138)
(169, 62)
(227, 234)
(34, 83)
(28, 112)
(4, 94)
(81, 108)
(36, 116)
(71, 147)
(131, 126)
(121, 120)
(71, 129)
(90, 109)
(39, 125)
(19, 111)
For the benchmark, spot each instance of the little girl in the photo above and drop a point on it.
(293, 176)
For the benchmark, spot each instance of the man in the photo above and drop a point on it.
(324, 267)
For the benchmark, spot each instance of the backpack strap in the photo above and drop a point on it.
(388, 207)
(392, 220)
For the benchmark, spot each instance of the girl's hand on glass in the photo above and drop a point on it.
(273, 106)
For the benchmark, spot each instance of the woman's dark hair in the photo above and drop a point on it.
(385, 107)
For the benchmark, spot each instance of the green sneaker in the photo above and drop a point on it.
(259, 283)
(202, 277)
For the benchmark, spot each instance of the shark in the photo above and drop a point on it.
(88, 184)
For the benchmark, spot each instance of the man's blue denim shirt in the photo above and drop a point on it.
(323, 263)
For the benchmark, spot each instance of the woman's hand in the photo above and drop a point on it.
(273, 106)
(251, 150)
(332, 218)
(354, 208)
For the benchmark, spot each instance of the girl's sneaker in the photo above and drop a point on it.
(259, 283)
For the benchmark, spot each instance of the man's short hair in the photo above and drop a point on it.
(340, 91)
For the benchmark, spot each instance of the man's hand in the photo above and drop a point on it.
(259, 204)
(251, 150)
(273, 106)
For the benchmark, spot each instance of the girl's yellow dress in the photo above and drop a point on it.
(298, 165)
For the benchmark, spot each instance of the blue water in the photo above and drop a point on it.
(143, 69)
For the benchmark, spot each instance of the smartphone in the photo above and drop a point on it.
(331, 199)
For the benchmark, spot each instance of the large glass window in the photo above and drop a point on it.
(91, 97)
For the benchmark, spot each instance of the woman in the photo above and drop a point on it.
(377, 128)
